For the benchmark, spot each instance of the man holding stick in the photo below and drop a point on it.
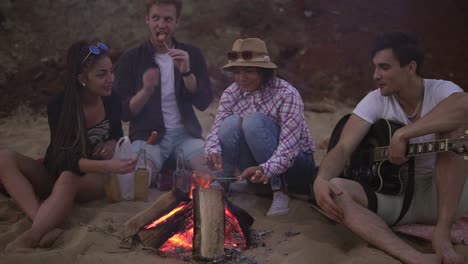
(160, 81)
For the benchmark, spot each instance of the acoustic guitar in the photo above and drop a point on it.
(369, 163)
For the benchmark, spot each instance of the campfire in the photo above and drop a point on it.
(200, 222)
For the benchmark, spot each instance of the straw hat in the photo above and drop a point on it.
(250, 52)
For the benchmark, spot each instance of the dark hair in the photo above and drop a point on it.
(405, 48)
(267, 74)
(71, 128)
(176, 3)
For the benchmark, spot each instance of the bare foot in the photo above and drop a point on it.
(443, 247)
(49, 238)
(25, 242)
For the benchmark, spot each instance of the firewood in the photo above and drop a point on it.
(244, 219)
(157, 236)
(208, 217)
(164, 204)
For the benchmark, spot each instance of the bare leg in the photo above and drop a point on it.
(451, 171)
(367, 224)
(57, 207)
(25, 179)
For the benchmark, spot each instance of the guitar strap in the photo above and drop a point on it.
(409, 190)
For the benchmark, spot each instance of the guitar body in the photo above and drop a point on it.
(381, 176)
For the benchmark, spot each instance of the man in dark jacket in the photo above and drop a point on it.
(160, 81)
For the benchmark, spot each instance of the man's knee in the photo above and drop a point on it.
(351, 190)
(342, 185)
(193, 148)
(229, 127)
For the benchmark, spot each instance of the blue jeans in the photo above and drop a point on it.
(251, 141)
(167, 149)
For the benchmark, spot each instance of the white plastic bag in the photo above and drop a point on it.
(123, 150)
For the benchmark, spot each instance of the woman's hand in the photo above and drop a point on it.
(215, 161)
(120, 166)
(254, 174)
(105, 151)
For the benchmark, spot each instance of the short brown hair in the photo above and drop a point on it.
(176, 3)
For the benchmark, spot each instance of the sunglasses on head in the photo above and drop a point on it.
(96, 50)
(235, 55)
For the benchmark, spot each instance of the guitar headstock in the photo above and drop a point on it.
(460, 145)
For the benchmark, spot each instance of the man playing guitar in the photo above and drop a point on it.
(429, 109)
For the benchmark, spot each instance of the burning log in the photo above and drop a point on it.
(208, 217)
(242, 222)
(203, 227)
(163, 205)
(158, 232)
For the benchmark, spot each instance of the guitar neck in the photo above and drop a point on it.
(442, 145)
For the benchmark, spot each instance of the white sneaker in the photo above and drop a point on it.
(279, 205)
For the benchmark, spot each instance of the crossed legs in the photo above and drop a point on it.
(25, 179)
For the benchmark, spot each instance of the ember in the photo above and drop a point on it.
(185, 224)
(234, 237)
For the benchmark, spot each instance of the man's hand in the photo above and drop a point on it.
(325, 193)
(254, 174)
(105, 151)
(150, 80)
(181, 59)
(397, 148)
(215, 161)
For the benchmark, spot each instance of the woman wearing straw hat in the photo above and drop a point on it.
(260, 127)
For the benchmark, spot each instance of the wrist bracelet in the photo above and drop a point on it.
(184, 74)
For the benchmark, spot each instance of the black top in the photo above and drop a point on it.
(109, 128)
(129, 80)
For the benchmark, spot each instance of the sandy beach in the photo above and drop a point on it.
(92, 231)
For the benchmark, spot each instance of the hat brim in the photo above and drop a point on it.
(259, 64)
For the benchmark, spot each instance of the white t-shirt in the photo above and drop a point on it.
(170, 111)
(375, 106)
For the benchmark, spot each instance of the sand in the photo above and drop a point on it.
(92, 230)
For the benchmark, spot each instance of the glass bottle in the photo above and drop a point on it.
(180, 175)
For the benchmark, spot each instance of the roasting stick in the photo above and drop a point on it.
(224, 178)
(165, 44)
(208, 176)
(162, 37)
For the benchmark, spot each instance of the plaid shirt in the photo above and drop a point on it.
(283, 104)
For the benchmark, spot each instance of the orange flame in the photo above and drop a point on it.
(165, 217)
(181, 240)
(234, 237)
(229, 241)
